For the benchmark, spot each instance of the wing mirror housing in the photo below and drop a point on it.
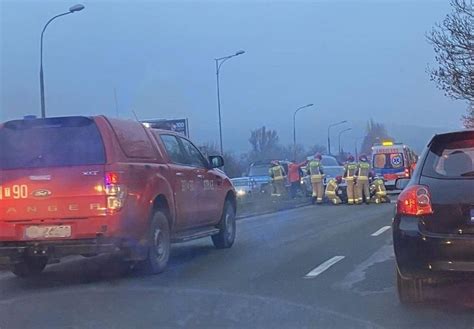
(401, 183)
(216, 161)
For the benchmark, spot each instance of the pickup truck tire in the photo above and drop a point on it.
(226, 236)
(159, 244)
(31, 266)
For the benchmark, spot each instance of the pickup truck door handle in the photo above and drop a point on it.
(180, 174)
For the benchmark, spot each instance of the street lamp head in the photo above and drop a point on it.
(240, 52)
(75, 8)
(310, 105)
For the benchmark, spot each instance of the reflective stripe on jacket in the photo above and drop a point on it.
(350, 170)
(315, 168)
(277, 172)
(331, 187)
(364, 170)
(380, 187)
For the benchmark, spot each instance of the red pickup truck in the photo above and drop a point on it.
(94, 185)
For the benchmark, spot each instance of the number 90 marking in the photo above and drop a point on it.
(20, 191)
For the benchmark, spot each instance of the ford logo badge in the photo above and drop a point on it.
(42, 193)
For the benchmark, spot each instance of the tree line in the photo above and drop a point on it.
(265, 145)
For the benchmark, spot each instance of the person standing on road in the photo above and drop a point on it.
(294, 177)
(278, 175)
(331, 190)
(350, 170)
(362, 183)
(316, 172)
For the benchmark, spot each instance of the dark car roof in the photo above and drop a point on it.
(454, 132)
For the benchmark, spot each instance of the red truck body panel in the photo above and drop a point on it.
(76, 200)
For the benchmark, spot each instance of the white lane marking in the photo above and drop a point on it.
(383, 229)
(323, 267)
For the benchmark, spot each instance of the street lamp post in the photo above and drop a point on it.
(294, 128)
(356, 141)
(329, 132)
(73, 9)
(219, 62)
(340, 133)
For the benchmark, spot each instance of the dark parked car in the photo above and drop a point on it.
(433, 228)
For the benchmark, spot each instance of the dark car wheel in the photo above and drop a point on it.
(410, 291)
(31, 266)
(159, 244)
(227, 227)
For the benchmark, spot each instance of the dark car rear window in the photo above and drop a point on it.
(451, 156)
(50, 143)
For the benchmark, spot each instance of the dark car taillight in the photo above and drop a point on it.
(415, 201)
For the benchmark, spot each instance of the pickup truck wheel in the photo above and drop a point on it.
(159, 244)
(226, 236)
(30, 266)
(410, 291)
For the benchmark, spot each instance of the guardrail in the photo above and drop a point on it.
(260, 203)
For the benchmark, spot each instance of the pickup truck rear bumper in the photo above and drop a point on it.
(14, 252)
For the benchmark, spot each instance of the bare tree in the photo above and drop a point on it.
(264, 144)
(375, 133)
(453, 43)
(468, 119)
(234, 166)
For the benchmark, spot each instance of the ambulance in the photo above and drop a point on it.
(392, 161)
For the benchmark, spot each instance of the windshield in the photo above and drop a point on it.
(260, 170)
(329, 161)
(50, 143)
(334, 171)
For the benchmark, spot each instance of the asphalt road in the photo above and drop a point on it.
(311, 267)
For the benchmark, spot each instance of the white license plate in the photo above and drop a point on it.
(48, 232)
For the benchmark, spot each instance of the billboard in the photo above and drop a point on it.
(178, 125)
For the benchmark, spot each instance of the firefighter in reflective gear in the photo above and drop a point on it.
(278, 175)
(350, 171)
(378, 191)
(331, 190)
(315, 170)
(362, 180)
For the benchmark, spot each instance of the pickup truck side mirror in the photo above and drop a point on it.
(401, 183)
(216, 161)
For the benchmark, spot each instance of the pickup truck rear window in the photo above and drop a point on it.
(50, 143)
(451, 156)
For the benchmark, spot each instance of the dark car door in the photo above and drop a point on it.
(448, 173)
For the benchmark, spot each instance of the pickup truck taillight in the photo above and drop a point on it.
(115, 191)
(415, 201)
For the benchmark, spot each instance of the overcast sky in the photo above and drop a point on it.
(354, 60)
